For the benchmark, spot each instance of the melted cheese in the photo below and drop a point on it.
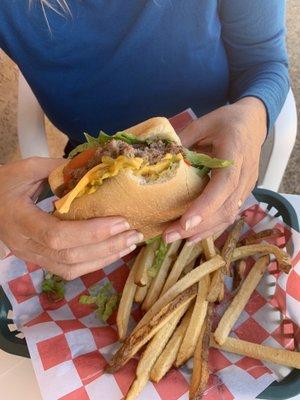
(110, 167)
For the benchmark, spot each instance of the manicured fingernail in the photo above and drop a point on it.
(192, 222)
(119, 227)
(134, 238)
(128, 250)
(172, 237)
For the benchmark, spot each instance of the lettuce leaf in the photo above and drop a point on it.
(54, 287)
(105, 301)
(199, 160)
(160, 255)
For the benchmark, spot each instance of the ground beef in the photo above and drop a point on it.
(153, 152)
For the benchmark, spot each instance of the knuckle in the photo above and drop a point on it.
(52, 240)
(67, 256)
(230, 210)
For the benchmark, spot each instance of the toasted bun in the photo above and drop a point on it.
(148, 207)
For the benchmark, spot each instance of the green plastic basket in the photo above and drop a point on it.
(288, 387)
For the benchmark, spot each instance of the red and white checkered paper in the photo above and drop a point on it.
(70, 347)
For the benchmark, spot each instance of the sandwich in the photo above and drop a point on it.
(143, 174)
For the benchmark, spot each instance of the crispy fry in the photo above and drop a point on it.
(209, 248)
(192, 333)
(284, 260)
(158, 282)
(188, 254)
(256, 237)
(188, 268)
(230, 244)
(134, 342)
(152, 352)
(146, 260)
(188, 280)
(259, 352)
(241, 299)
(238, 274)
(127, 300)
(168, 356)
(200, 369)
(215, 287)
(140, 293)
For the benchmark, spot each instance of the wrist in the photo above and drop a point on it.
(253, 111)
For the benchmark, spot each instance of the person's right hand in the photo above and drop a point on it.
(66, 248)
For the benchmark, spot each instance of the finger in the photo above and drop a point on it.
(39, 168)
(196, 131)
(70, 272)
(222, 184)
(224, 215)
(51, 232)
(92, 252)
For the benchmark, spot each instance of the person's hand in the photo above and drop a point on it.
(66, 248)
(233, 132)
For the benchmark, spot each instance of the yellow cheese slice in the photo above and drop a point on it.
(108, 168)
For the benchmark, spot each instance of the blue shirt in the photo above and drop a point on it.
(113, 63)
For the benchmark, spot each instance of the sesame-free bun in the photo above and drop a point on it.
(148, 207)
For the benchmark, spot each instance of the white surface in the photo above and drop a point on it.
(31, 123)
(17, 379)
(285, 132)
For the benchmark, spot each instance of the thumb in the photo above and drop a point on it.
(38, 168)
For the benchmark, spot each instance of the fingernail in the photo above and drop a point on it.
(136, 237)
(119, 227)
(127, 251)
(192, 222)
(172, 237)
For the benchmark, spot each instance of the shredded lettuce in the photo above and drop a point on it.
(160, 255)
(54, 287)
(106, 301)
(152, 240)
(199, 160)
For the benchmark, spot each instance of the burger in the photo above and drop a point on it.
(143, 174)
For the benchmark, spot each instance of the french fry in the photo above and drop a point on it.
(188, 280)
(284, 260)
(138, 338)
(127, 298)
(188, 268)
(188, 254)
(215, 287)
(168, 356)
(216, 291)
(158, 282)
(241, 299)
(259, 236)
(146, 260)
(140, 293)
(259, 352)
(189, 342)
(200, 373)
(238, 274)
(152, 352)
(209, 249)
(230, 244)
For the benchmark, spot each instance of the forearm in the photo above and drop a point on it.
(268, 82)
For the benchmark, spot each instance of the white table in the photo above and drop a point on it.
(17, 379)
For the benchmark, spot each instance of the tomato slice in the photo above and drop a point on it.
(78, 161)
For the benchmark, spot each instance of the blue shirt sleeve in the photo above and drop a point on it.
(253, 33)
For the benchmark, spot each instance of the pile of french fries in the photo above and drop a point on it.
(179, 307)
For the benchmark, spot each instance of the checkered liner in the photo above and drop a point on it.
(70, 348)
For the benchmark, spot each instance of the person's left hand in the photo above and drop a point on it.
(233, 132)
